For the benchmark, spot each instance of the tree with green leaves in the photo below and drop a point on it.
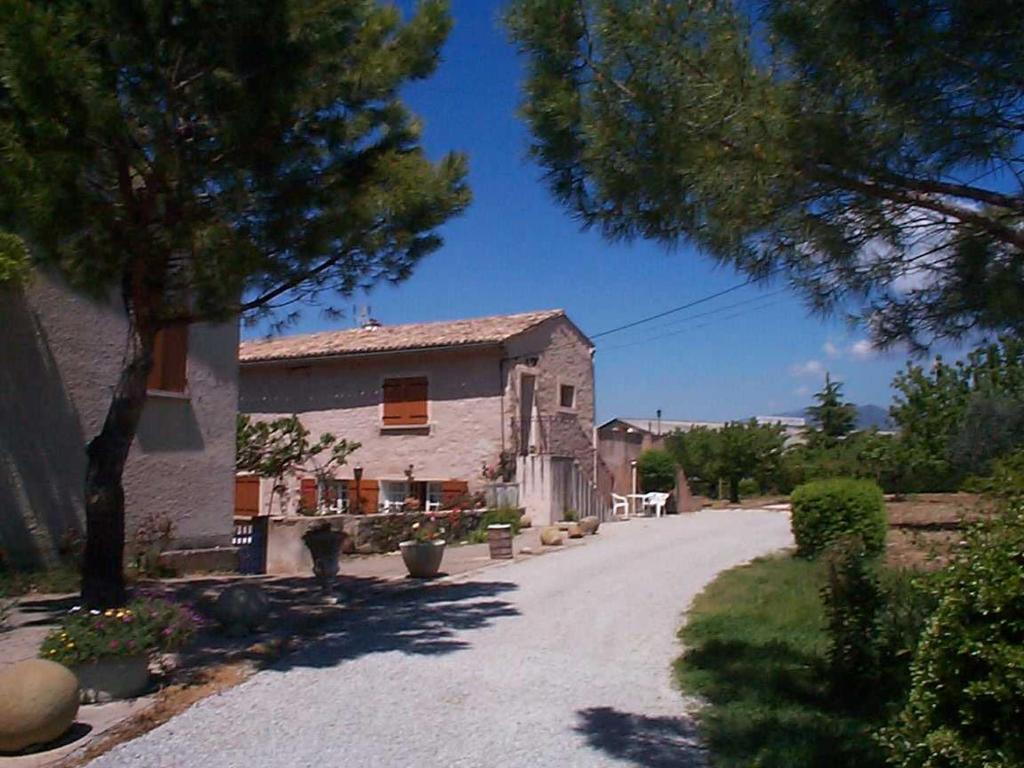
(272, 449)
(738, 450)
(199, 161)
(657, 470)
(868, 151)
(832, 418)
(939, 411)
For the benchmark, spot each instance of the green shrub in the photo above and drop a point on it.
(749, 487)
(967, 693)
(501, 516)
(826, 510)
(657, 470)
(875, 617)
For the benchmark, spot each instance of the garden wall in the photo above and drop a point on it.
(363, 534)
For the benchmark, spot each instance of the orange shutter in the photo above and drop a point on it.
(247, 496)
(369, 496)
(405, 401)
(416, 401)
(307, 493)
(452, 490)
(394, 404)
(170, 359)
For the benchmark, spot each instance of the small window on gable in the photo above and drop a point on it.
(405, 402)
(567, 396)
(170, 358)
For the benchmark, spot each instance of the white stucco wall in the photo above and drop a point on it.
(59, 358)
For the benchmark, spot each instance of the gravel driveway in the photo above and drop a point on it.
(559, 661)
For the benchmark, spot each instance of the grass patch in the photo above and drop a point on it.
(59, 580)
(757, 655)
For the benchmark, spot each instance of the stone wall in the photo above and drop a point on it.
(363, 534)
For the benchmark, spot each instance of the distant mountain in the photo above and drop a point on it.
(868, 416)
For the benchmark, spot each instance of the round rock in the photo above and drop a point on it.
(590, 524)
(575, 531)
(242, 608)
(38, 703)
(551, 536)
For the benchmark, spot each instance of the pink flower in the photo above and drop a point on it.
(114, 645)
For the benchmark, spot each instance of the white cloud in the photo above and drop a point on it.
(831, 350)
(809, 368)
(802, 391)
(862, 350)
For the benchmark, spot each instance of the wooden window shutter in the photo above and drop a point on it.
(452, 490)
(307, 493)
(394, 403)
(416, 401)
(369, 496)
(247, 496)
(170, 359)
(405, 401)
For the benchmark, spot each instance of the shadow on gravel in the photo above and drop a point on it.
(420, 621)
(652, 742)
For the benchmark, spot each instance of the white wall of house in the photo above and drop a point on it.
(60, 354)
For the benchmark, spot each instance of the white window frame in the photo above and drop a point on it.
(340, 490)
(393, 494)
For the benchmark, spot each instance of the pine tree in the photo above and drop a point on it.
(869, 151)
(205, 160)
(833, 418)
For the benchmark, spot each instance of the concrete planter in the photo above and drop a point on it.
(422, 558)
(111, 678)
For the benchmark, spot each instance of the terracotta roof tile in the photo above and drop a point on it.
(386, 338)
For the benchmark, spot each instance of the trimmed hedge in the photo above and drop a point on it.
(825, 511)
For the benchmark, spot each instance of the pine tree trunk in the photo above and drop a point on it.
(103, 562)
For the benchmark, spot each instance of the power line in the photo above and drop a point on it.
(681, 308)
(753, 304)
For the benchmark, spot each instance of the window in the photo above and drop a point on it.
(170, 355)
(393, 494)
(405, 402)
(337, 496)
(567, 396)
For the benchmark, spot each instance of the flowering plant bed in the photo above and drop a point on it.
(143, 627)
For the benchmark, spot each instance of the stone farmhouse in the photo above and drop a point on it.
(432, 405)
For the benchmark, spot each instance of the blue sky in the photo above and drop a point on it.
(517, 250)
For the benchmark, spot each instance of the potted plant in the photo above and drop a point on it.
(422, 553)
(110, 650)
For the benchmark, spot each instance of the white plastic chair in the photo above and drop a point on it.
(657, 502)
(620, 503)
(433, 506)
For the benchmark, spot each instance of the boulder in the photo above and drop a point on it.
(241, 608)
(551, 536)
(590, 525)
(38, 703)
(575, 531)
(525, 522)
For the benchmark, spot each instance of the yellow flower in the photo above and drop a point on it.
(71, 645)
(108, 612)
(53, 651)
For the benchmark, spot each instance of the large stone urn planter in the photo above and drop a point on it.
(111, 678)
(422, 558)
